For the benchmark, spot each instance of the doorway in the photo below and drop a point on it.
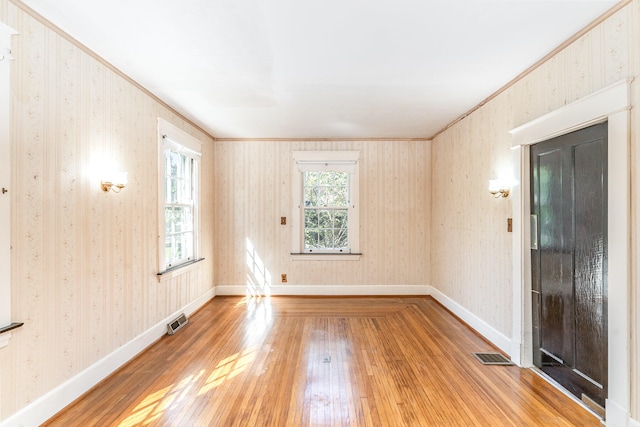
(568, 176)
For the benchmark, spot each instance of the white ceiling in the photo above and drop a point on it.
(322, 68)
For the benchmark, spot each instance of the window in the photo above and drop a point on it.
(179, 186)
(326, 215)
(326, 211)
(5, 185)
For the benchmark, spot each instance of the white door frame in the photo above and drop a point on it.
(610, 104)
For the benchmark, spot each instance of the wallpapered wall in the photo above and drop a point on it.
(253, 190)
(471, 259)
(83, 261)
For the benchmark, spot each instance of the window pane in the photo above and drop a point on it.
(173, 191)
(182, 166)
(324, 219)
(311, 218)
(168, 220)
(340, 218)
(325, 239)
(167, 163)
(310, 198)
(340, 237)
(326, 178)
(324, 196)
(174, 159)
(188, 245)
(168, 249)
(178, 220)
(310, 239)
(310, 178)
(341, 197)
(187, 224)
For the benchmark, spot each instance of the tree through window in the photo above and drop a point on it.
(326, 211)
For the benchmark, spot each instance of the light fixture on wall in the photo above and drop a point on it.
(499, 188)
(114, 180)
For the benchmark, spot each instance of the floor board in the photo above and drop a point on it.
(293, 361)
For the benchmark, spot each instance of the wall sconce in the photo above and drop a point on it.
(499, 188)
(114, 181)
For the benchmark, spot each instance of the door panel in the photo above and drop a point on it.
(568, 198)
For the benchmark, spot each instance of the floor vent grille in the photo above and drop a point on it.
(175, 325)
(492, 359)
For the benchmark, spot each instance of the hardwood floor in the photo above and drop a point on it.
(293, 361)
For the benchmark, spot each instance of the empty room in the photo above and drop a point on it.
(338, 213)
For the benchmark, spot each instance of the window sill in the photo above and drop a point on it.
(325, 257)
(177, 270)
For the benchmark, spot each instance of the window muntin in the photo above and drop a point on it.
(326, 211)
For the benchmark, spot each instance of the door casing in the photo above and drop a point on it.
(611, 104)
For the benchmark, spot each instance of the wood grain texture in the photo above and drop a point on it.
(322, 362)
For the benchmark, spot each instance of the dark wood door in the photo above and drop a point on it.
(569, 260)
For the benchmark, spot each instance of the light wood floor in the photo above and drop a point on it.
(322, 362)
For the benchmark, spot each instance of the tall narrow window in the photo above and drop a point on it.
(180, 187)
(5, 185)
(325, 201)
(326, 211)
(180, 204)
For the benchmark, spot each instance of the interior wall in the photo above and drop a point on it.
(467, 220)
(253, 190)
(83, 261)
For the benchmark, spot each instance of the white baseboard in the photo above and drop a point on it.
(51, 403)
(618, 416)
(483, 328)
(324, 290)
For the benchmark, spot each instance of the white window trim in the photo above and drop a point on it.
(5, 182)
(347, 161)
(168, 131)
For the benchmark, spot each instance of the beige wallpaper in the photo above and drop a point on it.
(253, 190)
(83, 261)
(471, 256)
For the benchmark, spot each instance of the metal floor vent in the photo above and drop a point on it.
(492, 359)
(175, 325)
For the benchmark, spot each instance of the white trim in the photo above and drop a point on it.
(612, 104)
(177, 135)
(328, 290)
(51, 403)
(634, 423)
(4, 339)
(616, 415)
(325, 257)
(5, 182)
(577, 115)
(496, 337)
